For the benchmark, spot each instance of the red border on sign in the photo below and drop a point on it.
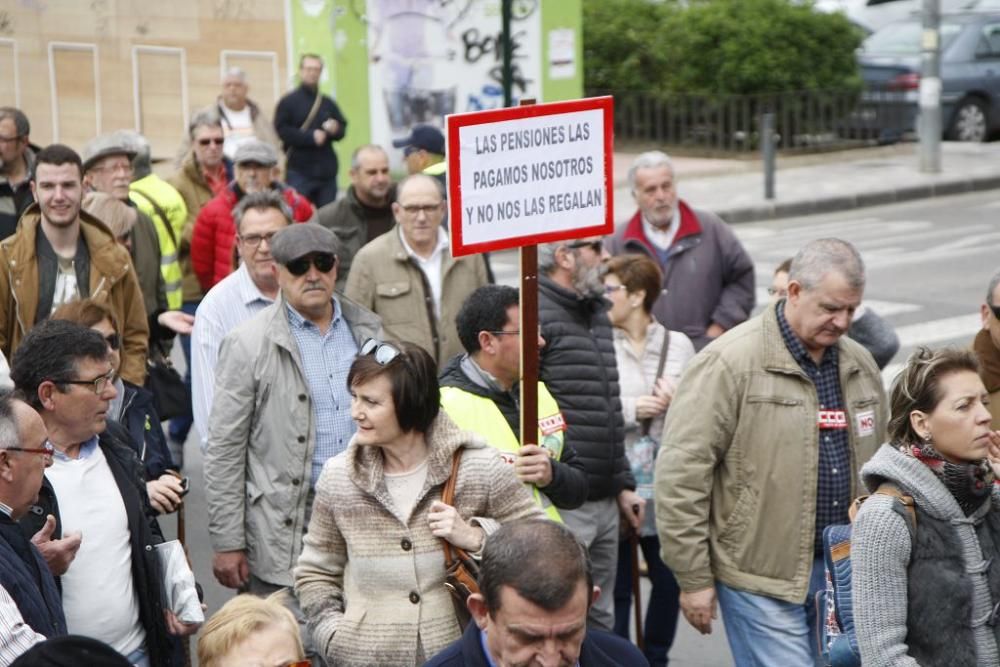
(457, 121)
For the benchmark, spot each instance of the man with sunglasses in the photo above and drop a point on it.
(409, 277)
(96, 486)
(17, 160)
(708, 276)
(25, 453)
(987, 346)
(281, 409)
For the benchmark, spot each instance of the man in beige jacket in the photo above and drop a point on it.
(761, 451)
(987, 346)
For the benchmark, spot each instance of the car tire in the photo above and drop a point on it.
(969, 122)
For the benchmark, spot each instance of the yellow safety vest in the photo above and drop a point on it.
(481, 416)
(143, 193)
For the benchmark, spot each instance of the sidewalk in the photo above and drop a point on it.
(820, 183)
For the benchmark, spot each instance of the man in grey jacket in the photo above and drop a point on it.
(281, 409)
(708, 277)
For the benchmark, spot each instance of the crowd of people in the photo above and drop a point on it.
(355, 389)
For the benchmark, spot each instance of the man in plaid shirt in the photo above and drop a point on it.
(761, 451)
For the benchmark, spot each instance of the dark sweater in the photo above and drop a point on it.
(26, 577)
(578, 366)
(304, 156)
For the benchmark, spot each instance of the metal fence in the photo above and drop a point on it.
(804, 121)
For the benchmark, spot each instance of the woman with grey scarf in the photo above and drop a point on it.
(926, 584)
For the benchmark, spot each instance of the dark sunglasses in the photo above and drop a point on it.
(114, 341)
(323, 262)
(206, 142)
(596, 246)
(384, 352)
(995, 310)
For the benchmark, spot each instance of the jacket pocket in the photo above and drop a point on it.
(348, 632)
(775, 400)
(396, 304)
(734, 531)
(392, 290)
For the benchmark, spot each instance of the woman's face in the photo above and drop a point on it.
(374, 412)
(959, 425)
(105, 328)
(620, 299)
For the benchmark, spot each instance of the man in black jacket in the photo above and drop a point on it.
(480, 391)
(96, 485)
(535, 586)
(308, 123)
(24, 456)
(578, 366)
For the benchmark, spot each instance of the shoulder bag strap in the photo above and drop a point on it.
(448, 498)
(646, 424)
(313, 111)
(160, 212)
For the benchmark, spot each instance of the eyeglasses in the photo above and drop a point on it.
(514, 332)
(114, 341)
(123, 167)
(47, 449)
(324, 263)
(212, 140)
(410, 150)
(98, 384)
(611, 289)
(426, 209)
(384, 352)
(254, 240)
(596, 246)
(774, 291)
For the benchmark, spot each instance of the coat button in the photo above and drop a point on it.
(296, 481)
(288, 521)
(414, 597)
(302, 397)
(406, 544)
(302, 438)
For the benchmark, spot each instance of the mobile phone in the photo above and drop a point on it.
(185, 486)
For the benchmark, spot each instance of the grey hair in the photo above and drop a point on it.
(547, 257)
(204, 118)
(236, 73)
(994, 283)
(419, 177)
(21, 124)
(820, 257)
(262, 200)
(356, 155)
(142, 164)
(648, 160)
(8, 424)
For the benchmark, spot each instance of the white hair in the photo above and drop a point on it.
(236, 73)
(648, 160)
(820, 257)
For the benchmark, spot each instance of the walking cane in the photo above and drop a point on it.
(633, 542)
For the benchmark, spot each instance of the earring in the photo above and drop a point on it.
(927, 438)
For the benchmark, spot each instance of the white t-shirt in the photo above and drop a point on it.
(99, 599)
(237, 127)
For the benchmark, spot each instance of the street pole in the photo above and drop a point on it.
(507, 66)
(930, 88)
(767, 152)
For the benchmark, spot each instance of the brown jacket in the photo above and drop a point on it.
(190, 182)
(989, 371)
(385, 280)
(112, 281)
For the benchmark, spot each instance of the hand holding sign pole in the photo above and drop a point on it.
(517, 177)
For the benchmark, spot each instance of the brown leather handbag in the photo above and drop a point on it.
(462, 570)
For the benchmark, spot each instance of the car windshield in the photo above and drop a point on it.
(903, 38)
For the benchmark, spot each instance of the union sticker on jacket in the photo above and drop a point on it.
(866, 423)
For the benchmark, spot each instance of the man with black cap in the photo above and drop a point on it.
(280, 410)
(214, 238)
(423, 152)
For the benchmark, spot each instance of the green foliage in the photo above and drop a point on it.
(716, 46)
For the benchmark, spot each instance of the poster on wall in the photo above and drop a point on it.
(431, 58)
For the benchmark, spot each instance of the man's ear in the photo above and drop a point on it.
(45, 391)
(485, 341)
(794, 290)
(476, 604)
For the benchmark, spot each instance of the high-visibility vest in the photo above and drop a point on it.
(482, 416)
(150, 195)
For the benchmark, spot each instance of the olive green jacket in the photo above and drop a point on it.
(737, 470)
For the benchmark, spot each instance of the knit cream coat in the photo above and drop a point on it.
(371, 584)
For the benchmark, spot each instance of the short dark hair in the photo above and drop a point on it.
(784, 267)
(50, 351)
(484, 310)
(918, 387)
(514, 544)
(21, 124)
(638, 272)
(57, 154)
(416, 394)
(312, 56)
(261, 201)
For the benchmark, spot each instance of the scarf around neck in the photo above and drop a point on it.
(970, 483)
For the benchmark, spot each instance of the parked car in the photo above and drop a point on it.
(870, 15)
(970, 76)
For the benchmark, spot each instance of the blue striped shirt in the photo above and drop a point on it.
(326, 360)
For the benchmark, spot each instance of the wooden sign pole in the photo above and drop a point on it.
(529, 338)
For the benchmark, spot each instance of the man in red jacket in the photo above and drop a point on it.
(214, 239)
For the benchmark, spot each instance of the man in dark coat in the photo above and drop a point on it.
(535, 586)
(96, 485)
(708, 277)
(578, 366)
(24, 456)
(308, 122)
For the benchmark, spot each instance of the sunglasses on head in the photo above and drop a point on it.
(384, 352)
(324, 263)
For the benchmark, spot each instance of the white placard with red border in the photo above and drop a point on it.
(530, 174)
